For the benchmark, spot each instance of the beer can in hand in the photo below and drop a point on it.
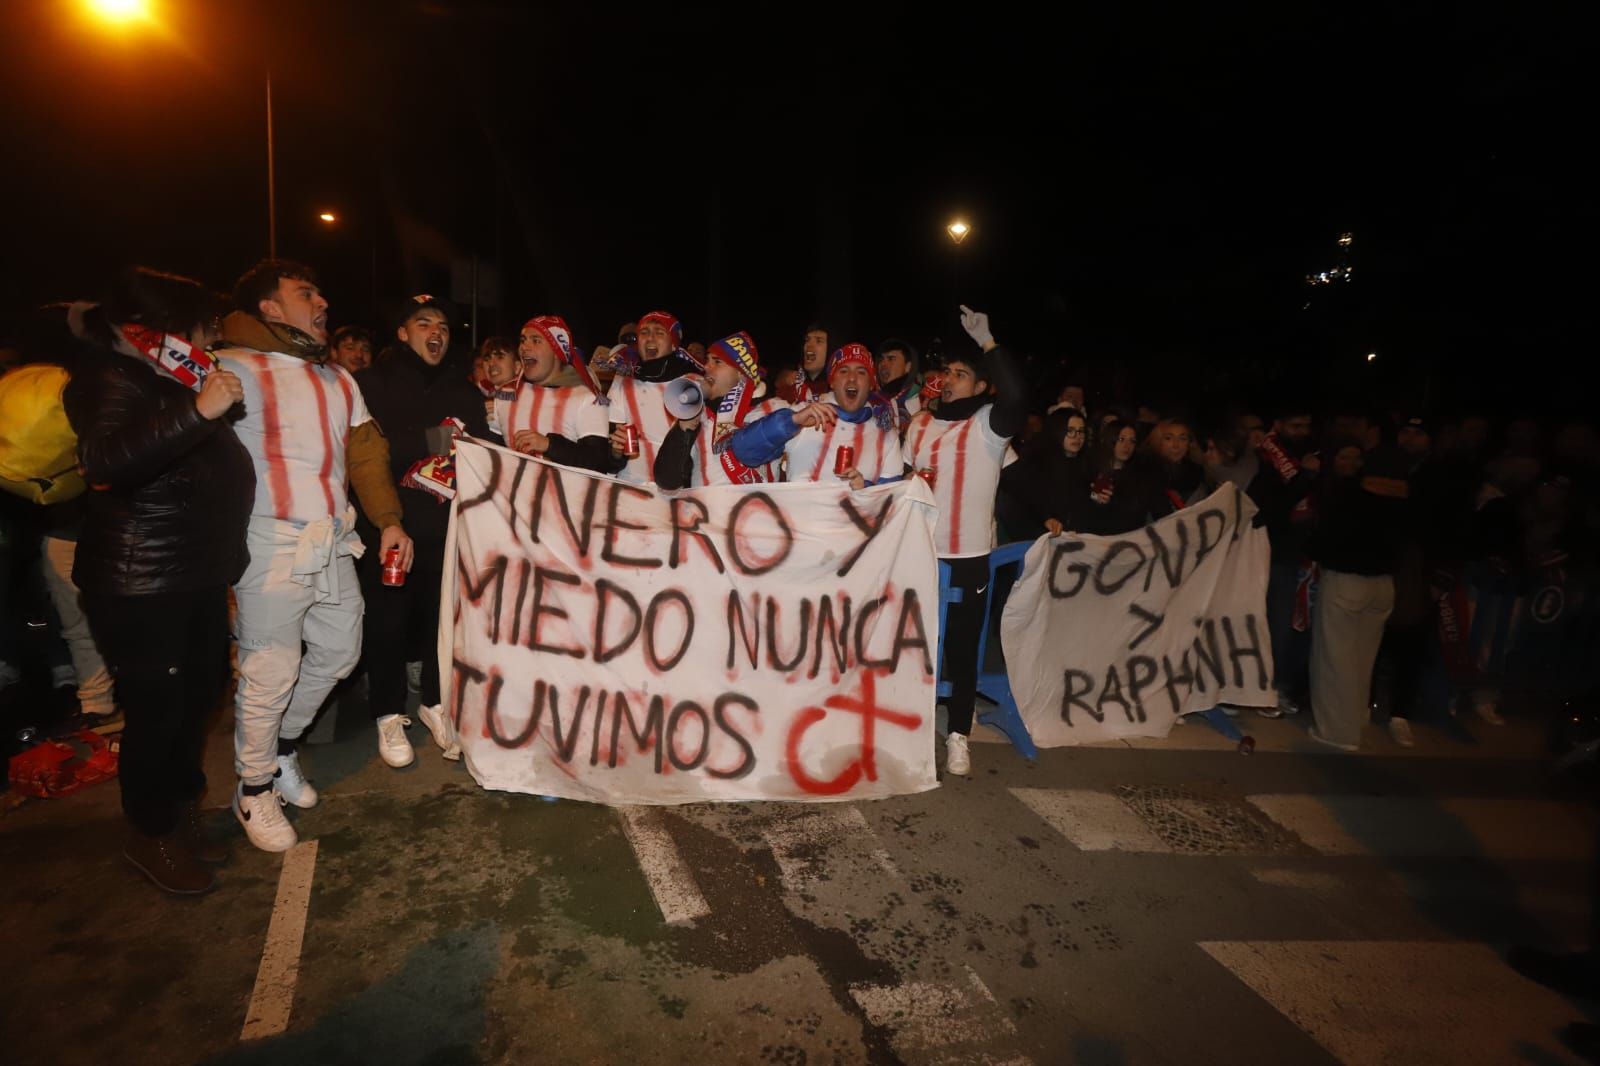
(630, 440)
(844, 460)
(394, 575)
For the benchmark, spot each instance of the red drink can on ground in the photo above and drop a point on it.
(844, 460)
(394, 575)
(630, 440)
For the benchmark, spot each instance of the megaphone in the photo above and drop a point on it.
(683, 398)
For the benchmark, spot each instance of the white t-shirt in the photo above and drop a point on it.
(708, 469)
(964, 458)
(570, 411)
(296, 425)
(639, 403)
(811, 452)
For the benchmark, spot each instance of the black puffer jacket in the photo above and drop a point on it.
(171, 491)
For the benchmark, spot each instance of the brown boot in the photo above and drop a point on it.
(168, 863)
(192, 832)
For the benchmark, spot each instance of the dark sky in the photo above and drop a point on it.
(1148, 186)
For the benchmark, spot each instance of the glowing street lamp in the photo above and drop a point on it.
(119, 11)
(329, 217)
(958, 230)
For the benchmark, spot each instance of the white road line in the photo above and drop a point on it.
(1418, 1003)
(1428, 827)
(671, 883)
(937, 1023)
(273, 996)
(1093, 821)
(809, 842)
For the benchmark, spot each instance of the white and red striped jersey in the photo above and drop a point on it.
(810, 452)
(961, 461)
(296, 424)
(708, 468)
(639, 403)
(570, 411)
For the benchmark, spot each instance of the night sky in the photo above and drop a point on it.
(1149, 187)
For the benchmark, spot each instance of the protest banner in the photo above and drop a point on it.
(607, 641)
(1109, 637)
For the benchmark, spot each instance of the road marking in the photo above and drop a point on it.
(820, 840)
(273, 996)
(1402, 1001)
(938, 1023)
(671, 883)
(1093, 821)
(1428, 827)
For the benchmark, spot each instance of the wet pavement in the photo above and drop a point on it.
(1147, 902)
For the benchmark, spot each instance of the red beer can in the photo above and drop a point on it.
(630, 440)
(844, 460)
(394, 575)
(929, 475)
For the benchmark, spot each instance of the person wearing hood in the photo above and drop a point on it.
(163, 537)
(643, 369)
(306, 426)
(1047, 489)
(416, 386)
(899, 383)
(958, 450)
(558, 412)
(698, 450)
(810, 437)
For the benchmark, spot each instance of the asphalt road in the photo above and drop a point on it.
(1165, 902)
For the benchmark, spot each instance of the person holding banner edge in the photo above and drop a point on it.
(854, 423)
(958, 450)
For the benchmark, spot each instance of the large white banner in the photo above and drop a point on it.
(609, 642)
(1110, 637)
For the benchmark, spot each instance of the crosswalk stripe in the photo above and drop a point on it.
(1093, 821)
(938, 1023)
(1429, 827)
(671, 883)
(819, 841)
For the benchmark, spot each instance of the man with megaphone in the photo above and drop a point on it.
(698, 450)
(646, 371)
(851, 438)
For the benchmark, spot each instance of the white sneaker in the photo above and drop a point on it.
(1286, 707)
(263, 820)
(392, 742)
(291, 783)
(1400, 730)
(444, 732)
(1489, 713)
(956, 758)
(414, 677)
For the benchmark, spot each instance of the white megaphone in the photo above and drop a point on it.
(684, 397)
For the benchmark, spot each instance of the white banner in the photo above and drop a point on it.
(1110, 637)
(609, 642)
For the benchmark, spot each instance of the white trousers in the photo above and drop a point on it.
(94, 680)
(300, 587)
(1345, 634)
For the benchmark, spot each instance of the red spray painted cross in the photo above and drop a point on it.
(866, 765)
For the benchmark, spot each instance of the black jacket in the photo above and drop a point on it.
(407, 397)
(171, 491)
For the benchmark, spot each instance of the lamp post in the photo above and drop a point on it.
(123, 14)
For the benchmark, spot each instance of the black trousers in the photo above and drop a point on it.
(168, 655)
(963, 624)
(401, 625)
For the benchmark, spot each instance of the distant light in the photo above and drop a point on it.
(120, 10)
(1371, 356)
(958, 230)
(1345, 239)
(328, 216)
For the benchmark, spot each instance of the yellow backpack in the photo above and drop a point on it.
(38, 450)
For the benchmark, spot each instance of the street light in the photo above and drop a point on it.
(119, 10)
(329, 217)
(958, 230)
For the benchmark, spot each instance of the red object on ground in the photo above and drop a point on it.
(57, 768)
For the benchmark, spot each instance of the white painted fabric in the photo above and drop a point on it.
(964, 460)
(571, 411)
(810, 453)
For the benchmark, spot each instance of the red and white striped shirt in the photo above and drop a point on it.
(639, 403)
(296, 424)
(962, 461)
(810, 452)
(570, 411)
(708, 468)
